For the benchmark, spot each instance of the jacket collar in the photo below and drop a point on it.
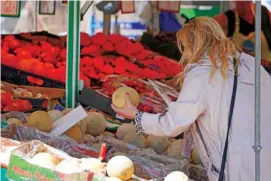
(246, 68)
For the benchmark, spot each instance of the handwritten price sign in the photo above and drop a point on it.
(170, 6)
(127, 6)
(10, 8)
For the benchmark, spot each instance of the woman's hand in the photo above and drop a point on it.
(10, 132)
(129, 111)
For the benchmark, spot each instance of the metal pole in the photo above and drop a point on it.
(35, 14)
(72, 70)
(257, 144)
(107, 23)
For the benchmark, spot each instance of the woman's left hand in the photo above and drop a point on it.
(10, 132)
(129, 111)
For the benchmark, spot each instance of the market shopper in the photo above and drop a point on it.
(239, 24)
(204, 103)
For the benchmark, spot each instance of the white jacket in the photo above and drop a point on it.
(208, 101)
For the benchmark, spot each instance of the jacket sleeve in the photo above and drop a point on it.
(180, 115)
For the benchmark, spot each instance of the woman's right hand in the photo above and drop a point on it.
(129, 111)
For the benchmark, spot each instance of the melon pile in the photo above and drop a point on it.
(119, 168)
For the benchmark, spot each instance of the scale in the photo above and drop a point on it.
(108, 8)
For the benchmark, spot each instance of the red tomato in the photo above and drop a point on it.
(13, 44)
(6, 98)
(24, 54)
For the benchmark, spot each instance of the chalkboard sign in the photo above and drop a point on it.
(10, 8)
(47, 7)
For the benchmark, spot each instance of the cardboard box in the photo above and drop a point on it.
(20, 168)
(50, 92)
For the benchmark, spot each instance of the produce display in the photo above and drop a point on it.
(8, 103)
(115, 67)
(101, 55)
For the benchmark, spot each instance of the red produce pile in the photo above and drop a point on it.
(10, 104)
(47, 60)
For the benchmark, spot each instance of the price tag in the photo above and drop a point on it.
(47, 7)
(10, 8)
(170, 6)
(127, 6)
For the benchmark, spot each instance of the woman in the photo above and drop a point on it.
(206, 96)
(239, 24)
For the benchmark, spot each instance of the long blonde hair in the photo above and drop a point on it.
(204, 35)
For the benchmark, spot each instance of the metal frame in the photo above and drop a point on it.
(257, 145)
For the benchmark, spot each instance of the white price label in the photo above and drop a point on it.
(171, 6)
(127, 6)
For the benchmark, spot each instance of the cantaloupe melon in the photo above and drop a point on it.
(175, 149)
(135, 139)
(40, 120)
(176, 176)
(159, 144)
(106, 133)
(95, 124)
(112, 179)
(124, 129)
(119, 153)
(68, 166)
(119, 97)
(14, 121)
(55, 114)
(195, 156)
(75, 133)
(121, 167)
(89, 138)
(66, 111)
(92, 164)
(83, 125)
(44, 159)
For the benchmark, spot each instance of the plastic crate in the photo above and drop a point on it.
(15, 76)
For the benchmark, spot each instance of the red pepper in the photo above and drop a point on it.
(103, 152)
(85, 39)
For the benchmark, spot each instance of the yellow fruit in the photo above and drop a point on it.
(195, 156)
(135, 139)
(121, 167)
(107, 134)
(68, 166)
(95, 124)
(40, 120)
(119, 153)
(112, 179)
(75, 133)
(14, 121)
(175, 149)
(176, 176)
(124, 129)
(66, 111)
(118, 97)
(83, 126)
(55, 114)
(88, 137)
(92, 164)
(44, 159)
(159, 144)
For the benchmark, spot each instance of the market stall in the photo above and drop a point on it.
(44, 74)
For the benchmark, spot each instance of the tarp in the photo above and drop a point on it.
(168, 22)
